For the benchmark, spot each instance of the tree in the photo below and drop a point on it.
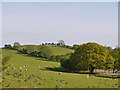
(115, 54)
(52, 58)
(8, 46)
(34, 53)
(109, 48)
(75, 46)
(46, 44)
(53, 44)
(45, 51)
(61, 42)
(16, 45)
(24, 51)
(90, 56)
(58, 44)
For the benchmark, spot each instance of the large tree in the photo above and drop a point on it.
(16, 45)
(116, 55)
(90, 56)
(61, 42)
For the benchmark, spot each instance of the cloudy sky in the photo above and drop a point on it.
(75, 23)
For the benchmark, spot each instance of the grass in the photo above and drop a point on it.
(61, 50)
(45, 74)
(55, 50)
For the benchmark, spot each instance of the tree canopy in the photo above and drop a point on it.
(90, 56)
(45, 51)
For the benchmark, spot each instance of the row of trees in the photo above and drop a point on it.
(42, 51)
(61, 43)
(91, 56)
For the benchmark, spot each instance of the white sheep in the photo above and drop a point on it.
(87, 76)
(8, 67)
(12, 64)
(40, 73)
(20, 67)
(13, 68)
(25, 69)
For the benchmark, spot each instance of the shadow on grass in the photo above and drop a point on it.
(60, 69)
(28, 55)
(57, 69)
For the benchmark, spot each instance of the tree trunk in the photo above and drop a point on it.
(91, 69)
(113, 70)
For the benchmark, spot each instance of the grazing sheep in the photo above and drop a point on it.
(21, 70)
(25, 65)
(12, 64)
(87, 76)
(20, 67)
(8, 67)
(40, 73)
(13, 68)
(25, 69)
(59, 73)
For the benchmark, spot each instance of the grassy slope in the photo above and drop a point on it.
(49, 78)
(55, 50)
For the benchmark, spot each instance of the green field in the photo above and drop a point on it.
(55, 50)
(45, 74)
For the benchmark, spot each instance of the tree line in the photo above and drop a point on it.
(43, 51)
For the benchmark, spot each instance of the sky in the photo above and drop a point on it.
(75, 23)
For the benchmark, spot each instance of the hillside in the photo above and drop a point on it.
(45, 74)
(55, 50)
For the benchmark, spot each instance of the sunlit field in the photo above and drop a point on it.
(31, 72)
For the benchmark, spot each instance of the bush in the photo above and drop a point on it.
(34, 53)
(24, 51)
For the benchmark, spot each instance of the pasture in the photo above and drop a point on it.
(55, 50)
(46, 74)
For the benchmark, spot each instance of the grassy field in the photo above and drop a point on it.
(55, 50)
(45, 74)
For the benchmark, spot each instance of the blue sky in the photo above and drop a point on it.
(75, 23)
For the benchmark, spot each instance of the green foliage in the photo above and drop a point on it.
(8, 46)
(34, 53)
(90, 56)
(75, 46)
(45, 51)
(24, 51)
(116, 55)
(61, 43)
(16, 46)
